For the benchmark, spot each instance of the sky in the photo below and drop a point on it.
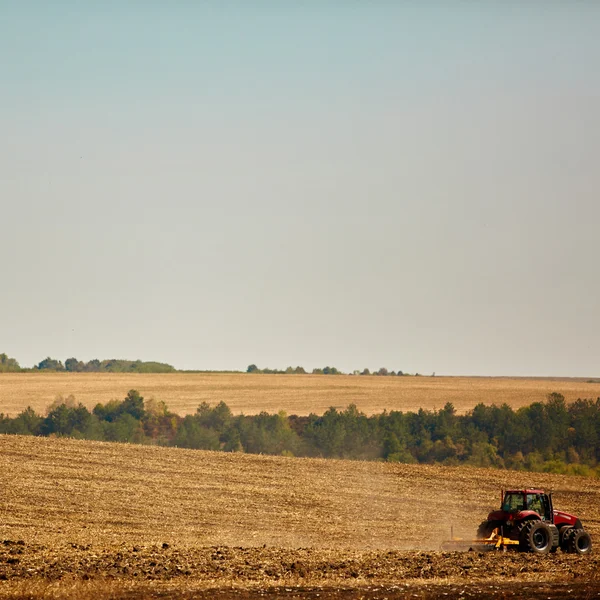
(412, 185)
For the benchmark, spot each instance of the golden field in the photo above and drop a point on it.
(295, 394)
(63, 490)
(82, 519)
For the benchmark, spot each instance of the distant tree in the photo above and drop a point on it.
(125, 428)
(217, 418)
(73, 365)
(330, 371)
(92, 365)
(232, 441)
(8, 364)
(383, 371)
(252, 369)
(299, 370)
(191, 434)
(26, 423)
(109, 411)
(151, 366)
(67, 420)
(558, 419)
(50, 364)
(366, 372)
(317, 371)
(400, 373)
(134, 404)
(160, 424)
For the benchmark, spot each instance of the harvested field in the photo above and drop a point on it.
(88, 519)
(296, 394)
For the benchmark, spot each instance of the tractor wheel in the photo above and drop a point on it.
(535, 536)
(565, 535)
(579, 542)
(485, 529)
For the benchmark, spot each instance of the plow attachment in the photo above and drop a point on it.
(496, 541)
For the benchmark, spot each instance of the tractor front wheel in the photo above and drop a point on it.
(536, 537)
(579, 542)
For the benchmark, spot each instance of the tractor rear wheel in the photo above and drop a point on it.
(579, 542)
(486, 528)
(565, 536)
(535, 536)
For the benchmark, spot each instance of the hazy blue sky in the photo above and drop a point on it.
(358, 184)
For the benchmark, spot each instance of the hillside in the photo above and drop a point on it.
(296, 394)
(82, 520)
(60, 490)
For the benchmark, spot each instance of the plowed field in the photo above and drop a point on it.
(85, 519)
(296, 394)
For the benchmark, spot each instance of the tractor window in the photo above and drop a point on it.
(547, 515)
(534, 502)
(513, 502)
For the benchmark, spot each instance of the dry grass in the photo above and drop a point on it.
(296, 394)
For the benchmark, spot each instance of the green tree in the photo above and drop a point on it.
(191, 434)
(218, 418)
(50, 364)
(558, 421)
(92, 365)
(330, 371)
(125, 428)
(73, 365)
(133, 405)
(25, 423)
(67, 421)
(8, 365)
(108, 412)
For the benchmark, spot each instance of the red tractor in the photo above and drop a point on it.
(527, 519)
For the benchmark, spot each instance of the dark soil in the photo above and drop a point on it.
(535, 591)
(163, 571)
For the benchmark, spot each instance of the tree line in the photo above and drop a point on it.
(321, 371)
(72, 365)
(550, 436)
(114, 365)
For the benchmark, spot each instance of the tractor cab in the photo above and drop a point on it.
(526, 502)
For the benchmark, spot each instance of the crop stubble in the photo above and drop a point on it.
(74, 509)
(295, 394)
